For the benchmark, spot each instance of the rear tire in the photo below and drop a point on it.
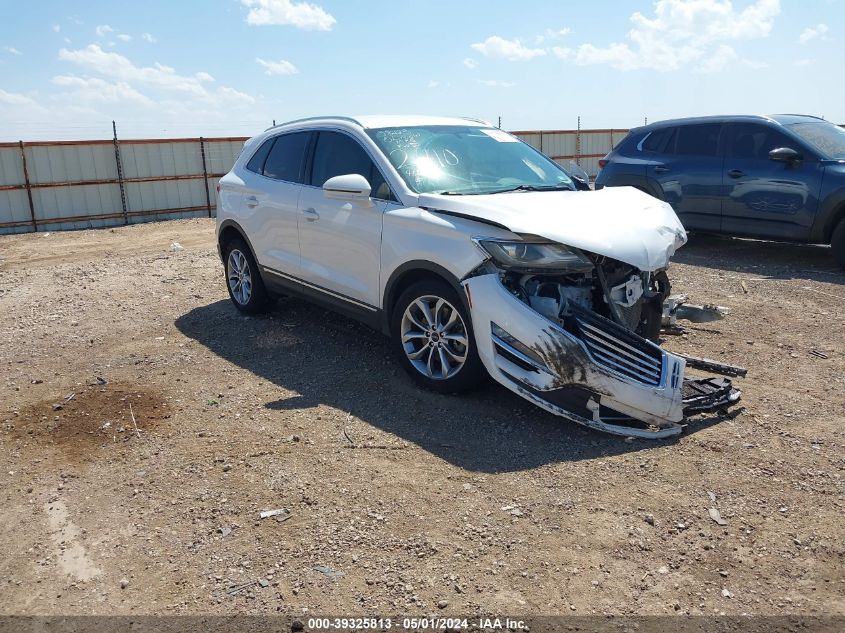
(243, 279)
(431, 333)
(837, 243)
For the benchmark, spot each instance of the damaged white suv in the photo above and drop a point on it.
(475, 253)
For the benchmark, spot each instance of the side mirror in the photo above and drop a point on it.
(349, 187)
(785, 155)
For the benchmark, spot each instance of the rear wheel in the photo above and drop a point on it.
(837, 243)
(432, 335)
(246, 288)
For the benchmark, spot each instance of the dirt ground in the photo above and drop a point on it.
(400, 500)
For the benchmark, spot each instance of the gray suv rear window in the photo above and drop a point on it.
(698, 140)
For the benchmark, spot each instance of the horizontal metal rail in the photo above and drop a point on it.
(108, 181)
(107, 216)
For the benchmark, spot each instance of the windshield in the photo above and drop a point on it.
(829, 139)
(458, 159)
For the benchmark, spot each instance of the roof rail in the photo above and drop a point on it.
(316, 118)
(475, 120)
(809, 116)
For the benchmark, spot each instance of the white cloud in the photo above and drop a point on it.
(718, 60)
(433, 83)
(551, 34)
(682, 32)
(470, 63)
(803, 63)
(103, 29)
(123, 37)
(116, 66)
(12, 50)
(812, 32)
(203, 76)
(56, 28)
(13, 98)
(148, 38)
(231, 95)
(497, 47)
(303, 15)
(496, 83)
(92, 89)
(562, 53)
(281, 67)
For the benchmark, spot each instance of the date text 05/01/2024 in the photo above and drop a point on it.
(414, 623)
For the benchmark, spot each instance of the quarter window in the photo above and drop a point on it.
(657, 140)
(285, 160)
(698, 140)
(256, 163)
(337, 155)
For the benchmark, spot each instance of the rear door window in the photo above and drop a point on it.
(698, 140)
(287, 156)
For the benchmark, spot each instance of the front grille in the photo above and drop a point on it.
(616, 348)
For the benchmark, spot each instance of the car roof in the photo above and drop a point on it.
(370, 121)
(781, 119)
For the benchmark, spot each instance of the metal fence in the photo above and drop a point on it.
(89, 184)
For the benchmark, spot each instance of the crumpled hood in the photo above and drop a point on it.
(619, 222)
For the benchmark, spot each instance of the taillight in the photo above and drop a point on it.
(603, 162)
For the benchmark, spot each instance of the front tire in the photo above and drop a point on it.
(432, 335)
(243, 280)
(837, 243)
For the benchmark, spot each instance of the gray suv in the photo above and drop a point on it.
(779, 177)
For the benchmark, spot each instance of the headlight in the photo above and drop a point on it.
(530, 256)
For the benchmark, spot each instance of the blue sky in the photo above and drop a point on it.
(229, 67)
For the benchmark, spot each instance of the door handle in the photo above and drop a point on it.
(252, 202)
(311, 215)
(661, 169)
(736, 173)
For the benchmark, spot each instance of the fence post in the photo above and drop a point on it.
(541, 141)
(205, 176)
(120, 174)
(28, 189)
(578, 143)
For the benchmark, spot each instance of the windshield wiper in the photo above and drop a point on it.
(451, 193)
(560, 187)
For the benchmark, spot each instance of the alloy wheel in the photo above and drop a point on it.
(434, 337)
(240, 277)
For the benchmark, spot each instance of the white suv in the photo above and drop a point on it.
(475, 254)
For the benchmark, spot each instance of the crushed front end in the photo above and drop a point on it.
(580, 342)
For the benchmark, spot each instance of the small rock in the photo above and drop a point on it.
(726, 593)
(442, 604)
(663, 570)
(296, 626)
(264, 583)
(716, 516)
(227, 468)
(224, 531)
(649, 518)
(124, 583)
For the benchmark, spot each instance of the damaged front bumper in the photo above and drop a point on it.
(599, 374)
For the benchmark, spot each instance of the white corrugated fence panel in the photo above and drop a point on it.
(64, 163)
(221, 155)
(11, 166)
(145, 160)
